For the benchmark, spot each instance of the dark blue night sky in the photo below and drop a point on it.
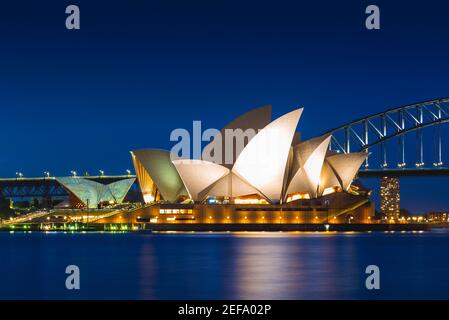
(139, 69)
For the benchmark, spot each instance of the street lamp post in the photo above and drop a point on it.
(326, 204)
(87, 202)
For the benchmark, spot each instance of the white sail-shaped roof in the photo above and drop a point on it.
(270, 167)
(254, 119)
(328, 178)
(307, 166)
(229, 186)
(154, 169)
(346, 166)
(263, 161)
(299, 184)
(197, 175)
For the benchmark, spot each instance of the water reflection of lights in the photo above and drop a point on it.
(264, 270)
(147, 273)
(272, 266)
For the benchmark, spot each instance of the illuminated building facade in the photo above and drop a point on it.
(274, 177)
(335, 208)
(390, 199)
(438, 217)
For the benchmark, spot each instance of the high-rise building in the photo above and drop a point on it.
(390, 197)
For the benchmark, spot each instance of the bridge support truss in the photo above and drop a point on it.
(395, 123)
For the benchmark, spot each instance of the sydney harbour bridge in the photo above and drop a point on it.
(398, 139)
(404, 141)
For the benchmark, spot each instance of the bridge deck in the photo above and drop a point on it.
(403, 172)
(95, 178)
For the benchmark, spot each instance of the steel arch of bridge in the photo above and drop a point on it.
(378, 128)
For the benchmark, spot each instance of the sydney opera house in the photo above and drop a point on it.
(269, 177)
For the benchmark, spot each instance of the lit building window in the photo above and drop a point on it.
(148, 198)
(250, 201)
(297, 196)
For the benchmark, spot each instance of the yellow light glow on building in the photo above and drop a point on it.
(148, 198)
(329, 190)
(297, 196)
(250, 201)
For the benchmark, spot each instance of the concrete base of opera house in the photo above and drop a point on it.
(334, 212)
(336, 208)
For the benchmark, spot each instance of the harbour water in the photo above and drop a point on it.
(413, 265)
